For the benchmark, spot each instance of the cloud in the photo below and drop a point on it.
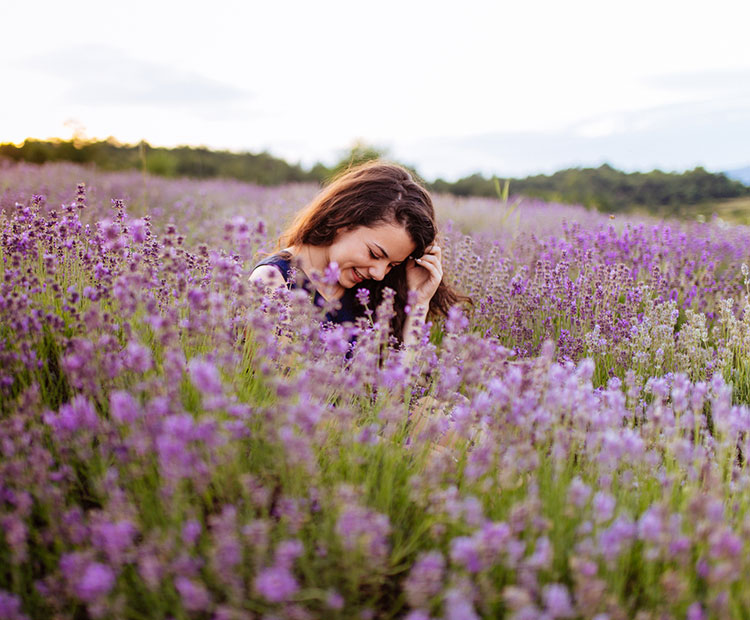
(98, 75)
(713, 83)
(713, 80)
(674, 137)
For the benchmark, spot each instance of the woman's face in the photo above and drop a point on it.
(369, 252)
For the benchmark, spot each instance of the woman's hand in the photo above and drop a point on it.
(423, 275)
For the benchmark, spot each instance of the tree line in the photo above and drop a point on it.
(603, 188)
(608, 189)
(182, 161)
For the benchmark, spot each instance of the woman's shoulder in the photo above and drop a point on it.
(273, 270)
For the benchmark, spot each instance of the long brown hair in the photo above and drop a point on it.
(366, 195)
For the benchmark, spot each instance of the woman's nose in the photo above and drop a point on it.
(378, 271)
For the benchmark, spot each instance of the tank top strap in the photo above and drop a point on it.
(283, 262)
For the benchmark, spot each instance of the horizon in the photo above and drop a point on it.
(519, 90)
(386, 156)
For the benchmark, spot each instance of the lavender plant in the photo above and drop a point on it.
(177, 442)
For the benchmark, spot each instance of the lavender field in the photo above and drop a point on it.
(177, 444)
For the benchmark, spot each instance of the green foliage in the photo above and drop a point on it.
(359, 153)
(197, 162)
(607, 189)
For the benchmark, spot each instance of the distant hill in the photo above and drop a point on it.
(603, 188)
(608, 189)
(182, 161)
(740, 174)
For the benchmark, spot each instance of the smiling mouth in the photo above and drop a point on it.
(357, 275)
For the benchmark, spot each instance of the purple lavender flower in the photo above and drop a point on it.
(456, 321)
(205, 376)
(614, 539)
(650, 525)
(334, 600)
(191, 531)
(578, 492)
(425, 579)
(458, 606)
(604, 506)
(331, 274)
(557, 601)
(363, 296)
(138, 229)
(364, 529)
(77, 415)
(97, 580)
(123, 407)
(197, 298)
(113, 538)
(695, 612)
(10, 607)
(287, 552)
(194, 595)
(276, 584)
(137, 357)
(464, 551)
(724, 543)
(494, 536)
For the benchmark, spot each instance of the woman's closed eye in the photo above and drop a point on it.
(376, 257)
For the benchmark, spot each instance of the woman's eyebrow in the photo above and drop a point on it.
(381, 249)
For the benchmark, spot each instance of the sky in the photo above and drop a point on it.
(452, 88)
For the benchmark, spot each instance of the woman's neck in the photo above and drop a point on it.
(313, 260)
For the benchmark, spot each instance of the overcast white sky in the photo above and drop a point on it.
(507, 88)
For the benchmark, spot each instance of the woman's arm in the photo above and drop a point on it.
(413, 325)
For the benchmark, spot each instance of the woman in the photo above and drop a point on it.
(377, 224)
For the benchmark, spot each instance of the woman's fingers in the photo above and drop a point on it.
(432, 264)
(431, 259)
(427, 282)
(433, 250)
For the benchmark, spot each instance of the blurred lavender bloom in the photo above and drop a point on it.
(331, 274)
(191, 531)
(10, 607)
(614, 539)
(464, 552)
(578, 492)
(287, 552)
(334, 600)
(137, 357)
(456, 321)
(650, 525)
(79, 414)
(113, 538)
(194, 595)
(122, 407)
(97, 580)
(557, 601)
(425, 578)
(205, 376)
(603, 505)
(364, 529)
(138, 229)
(276, 584)
(695, 612)
(458, 606)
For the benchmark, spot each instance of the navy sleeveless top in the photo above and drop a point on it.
(349, 304)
